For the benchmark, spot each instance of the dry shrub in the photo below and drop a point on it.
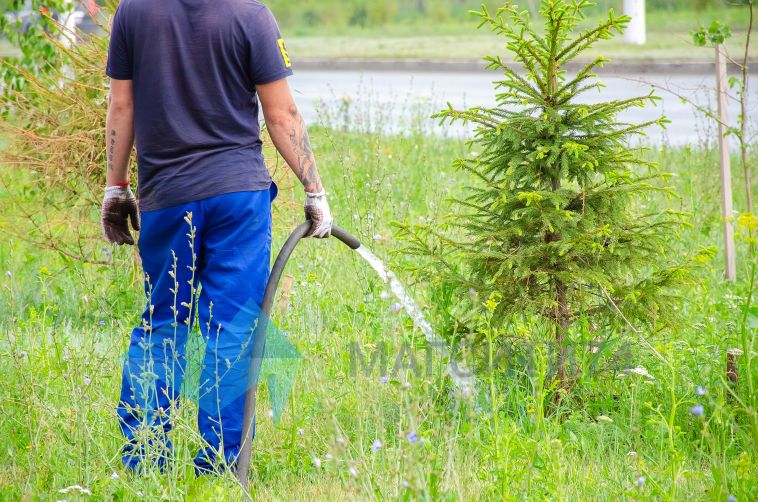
(52, 167)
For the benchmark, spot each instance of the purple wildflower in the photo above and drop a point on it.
(412, 437)
(376, 446)
(731, 498)
(101, 323)
(396, 307)
(700, 391)
(384, 380)
(641, 481)
(698, 410)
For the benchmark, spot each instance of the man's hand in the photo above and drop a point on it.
(119, 206)
(318, 212)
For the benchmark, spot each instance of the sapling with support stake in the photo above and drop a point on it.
(555, 216)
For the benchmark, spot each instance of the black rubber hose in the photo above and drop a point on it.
(259, 341)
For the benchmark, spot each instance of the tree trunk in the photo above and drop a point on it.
(561, 315)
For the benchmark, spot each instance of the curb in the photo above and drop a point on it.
(475, 65)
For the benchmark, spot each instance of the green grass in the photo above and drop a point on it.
(61, 372)
(668, 39)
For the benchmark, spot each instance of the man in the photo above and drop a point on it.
(186, 79)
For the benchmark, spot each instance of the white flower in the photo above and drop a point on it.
(641, 371)
(317, 462)
(114, 475)
(85, 298)
(75, 488)
(353, 472)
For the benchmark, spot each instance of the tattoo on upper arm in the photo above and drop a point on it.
(111, 149)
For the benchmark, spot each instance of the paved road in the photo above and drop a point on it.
(395, 102)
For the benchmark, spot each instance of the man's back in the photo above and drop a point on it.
(194, 66)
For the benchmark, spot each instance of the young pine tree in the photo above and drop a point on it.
(552, 226)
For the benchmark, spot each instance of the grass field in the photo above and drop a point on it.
(668, 39)
(617, 436)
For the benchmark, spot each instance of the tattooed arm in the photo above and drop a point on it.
(289, 133)
(119, 132)
(119, 203)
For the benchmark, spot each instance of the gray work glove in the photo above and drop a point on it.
(318, 212)
(119, 206)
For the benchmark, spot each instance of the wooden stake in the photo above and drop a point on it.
(726, 168)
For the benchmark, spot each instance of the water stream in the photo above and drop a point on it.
(461, 377)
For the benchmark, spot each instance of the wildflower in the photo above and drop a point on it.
(384, 295)
(316, 462)
(85, 298)
(412, 437)
(641, 481)
(8, 274)
(396, 307)
(353, 472)
(731, 498)
(341, 441)
(698, 410)
(77, 488)
(384, 380)
(114, 475)
(406, 484)
(87, 381)
(700, 391)
(376, 446)
(632, 453)
(300, 432)
(641, 371)
(378, 237)
(101, 323)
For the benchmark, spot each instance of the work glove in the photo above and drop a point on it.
(318, 212)
(119, 206)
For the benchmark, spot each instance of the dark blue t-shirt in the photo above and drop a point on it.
(194, 66)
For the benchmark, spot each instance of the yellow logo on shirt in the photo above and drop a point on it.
(285, 54)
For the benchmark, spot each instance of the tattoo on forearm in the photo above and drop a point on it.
(111, 149)
(305, 165)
